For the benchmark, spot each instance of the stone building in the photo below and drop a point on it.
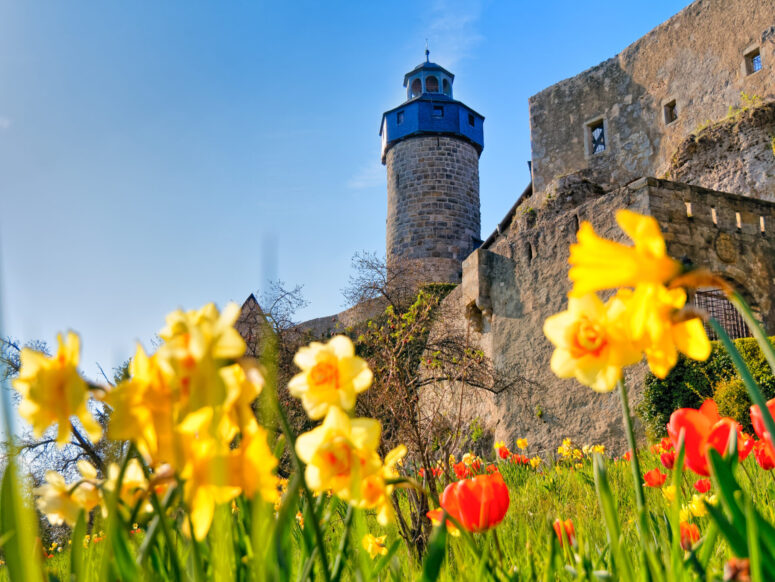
(680, 125)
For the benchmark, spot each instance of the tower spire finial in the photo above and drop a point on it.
(427, 52)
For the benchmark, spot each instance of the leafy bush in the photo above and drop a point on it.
(733, 401)
(690, 382)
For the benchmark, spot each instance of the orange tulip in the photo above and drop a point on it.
(758, 423)
(570, 532)
(654, 478)
(479, 503)
(703, 429)
(690, 533)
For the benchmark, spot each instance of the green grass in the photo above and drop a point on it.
(524, 538)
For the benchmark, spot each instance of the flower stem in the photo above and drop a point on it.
(636, 476)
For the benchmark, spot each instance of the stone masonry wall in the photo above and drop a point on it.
(734, 155)
(695, 58)
(433, 204)
(510, 288)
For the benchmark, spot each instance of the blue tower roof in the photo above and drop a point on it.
(430, 109)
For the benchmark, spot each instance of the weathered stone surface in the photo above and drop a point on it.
(512, 286)
(696, 59)
(734, 155)
(433, 204)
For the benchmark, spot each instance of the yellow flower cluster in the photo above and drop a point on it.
(341, 453)
(594, 340)
(186, 408)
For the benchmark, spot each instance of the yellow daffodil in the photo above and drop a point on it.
(196, 344)
(697, 506)
(254, 466)
(331, 375)
(375, 545)
(52, 391)
(243, 386)
(468, 459)
(134, 485)
(522, 444)
(376, 490)
(598, 264)
(206, 476)
(591, 343)
(340, 454)
(61, 502)
(146, 407)
(499, 445)
(651, 310)
(598, 449)
(668, 492)
(535, 461)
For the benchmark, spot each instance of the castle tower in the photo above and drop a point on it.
(431, 146)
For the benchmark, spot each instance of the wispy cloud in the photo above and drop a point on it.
(369, 176)
(5, 122)
(453, 30)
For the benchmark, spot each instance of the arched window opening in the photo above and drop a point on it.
(446, 87)
(715, 303)
(432, 85)
(416, 88)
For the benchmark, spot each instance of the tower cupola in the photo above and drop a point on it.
(430, 109)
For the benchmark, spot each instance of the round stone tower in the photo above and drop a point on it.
(431, 146)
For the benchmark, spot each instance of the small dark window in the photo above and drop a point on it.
(471, 120)
(446, 86)
(400, 117)
(671, 113)
(596, 137)
(431, 85)
(438, 112)
(753, 61)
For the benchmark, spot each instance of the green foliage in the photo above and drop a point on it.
(691, 382)
(733, 401)
(475, 430)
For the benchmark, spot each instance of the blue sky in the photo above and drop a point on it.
(156, 155)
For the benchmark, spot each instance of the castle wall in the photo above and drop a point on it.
(433, 204)
(510, 288)
(697, 59)
(735, 155)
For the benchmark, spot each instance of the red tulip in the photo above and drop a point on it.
(690, 533)
(654, 478)
(504, 452)
(703, 429)
(461, 471)
(570, 532)
(668, 459)
(491, 468)
(702, 485)
(764, 456)
(745, 445)
(479, 503)
(758, 423)
(666, 444)
(627, 456)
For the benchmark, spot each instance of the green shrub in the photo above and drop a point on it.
(733, 401)
(690, 382)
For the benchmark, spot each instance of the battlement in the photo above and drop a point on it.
(627, 116)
